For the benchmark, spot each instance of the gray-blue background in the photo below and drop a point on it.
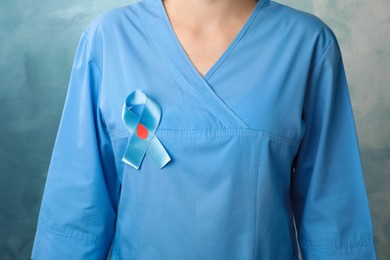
(38, 41)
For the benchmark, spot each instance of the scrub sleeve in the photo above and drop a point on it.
(79, 204)
(328, 191)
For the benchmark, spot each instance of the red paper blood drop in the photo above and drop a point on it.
(142, 132)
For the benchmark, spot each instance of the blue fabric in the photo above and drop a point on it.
(264, 140)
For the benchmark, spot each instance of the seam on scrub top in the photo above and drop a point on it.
(182, 132)
(114, 253)
(315, 67)
(258, 166)
(101, 76)
(95, 241)
(90, 53)
(322, 57)
(337, 245)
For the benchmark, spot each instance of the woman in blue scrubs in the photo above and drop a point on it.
(206, 130)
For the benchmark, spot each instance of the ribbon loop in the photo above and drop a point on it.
(141, 116)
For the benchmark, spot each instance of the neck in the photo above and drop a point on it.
(207, 15)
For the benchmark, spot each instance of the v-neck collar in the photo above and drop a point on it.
(226, 52)
(182, 70)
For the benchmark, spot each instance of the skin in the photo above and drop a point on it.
(205, 28)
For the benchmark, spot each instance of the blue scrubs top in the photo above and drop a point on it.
(160, 162)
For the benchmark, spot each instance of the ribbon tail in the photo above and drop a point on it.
(133, 156)
(157, 153)
(130, 163)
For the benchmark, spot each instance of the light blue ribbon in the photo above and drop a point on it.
(141, 116)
